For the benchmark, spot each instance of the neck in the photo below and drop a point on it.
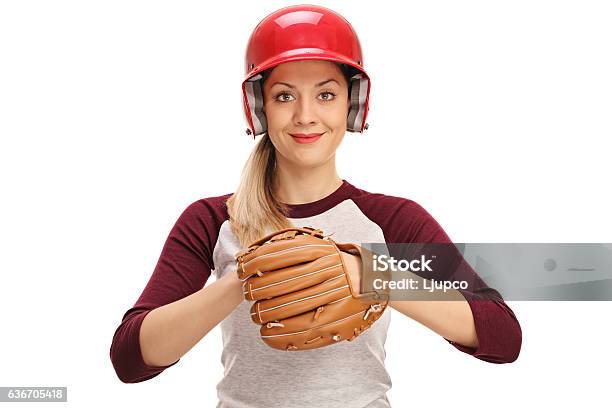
(305, 185)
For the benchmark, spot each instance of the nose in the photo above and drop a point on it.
(304, 113)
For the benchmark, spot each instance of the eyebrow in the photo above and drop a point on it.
(317, 85)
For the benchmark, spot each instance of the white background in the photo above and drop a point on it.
(115, 115)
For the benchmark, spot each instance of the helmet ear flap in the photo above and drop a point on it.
(358, 100)
(358, 90)
(253, 106)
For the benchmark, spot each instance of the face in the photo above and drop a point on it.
(306, 97)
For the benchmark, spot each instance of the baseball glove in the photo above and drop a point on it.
(303, 294)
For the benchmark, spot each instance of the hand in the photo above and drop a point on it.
(353, 266)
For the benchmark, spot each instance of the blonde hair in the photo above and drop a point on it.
(253, 209)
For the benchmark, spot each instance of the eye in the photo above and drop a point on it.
(276, 98)
(328, 93)
(279, 97)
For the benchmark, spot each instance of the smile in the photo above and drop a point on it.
(306, 138)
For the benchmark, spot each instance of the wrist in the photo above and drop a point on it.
(233, 284)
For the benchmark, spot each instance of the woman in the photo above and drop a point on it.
(305, 87)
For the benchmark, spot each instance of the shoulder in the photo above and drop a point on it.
(401, 219)
(206, 207)
(203, 215)
(388, 205)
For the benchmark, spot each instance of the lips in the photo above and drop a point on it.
(305, 135)
(304, 138)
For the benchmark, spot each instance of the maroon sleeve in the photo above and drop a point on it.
(183, 268)
(497, 328)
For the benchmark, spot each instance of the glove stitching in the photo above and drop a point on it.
(313, 340)
(285, 250)
(258, 313)
(312, 328)
(307, 297)
(297, 277)
(318, 312)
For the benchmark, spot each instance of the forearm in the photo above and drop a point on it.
(170, 331)
(451, 319)
(446, 313)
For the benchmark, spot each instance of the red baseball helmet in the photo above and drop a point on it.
(304, 32)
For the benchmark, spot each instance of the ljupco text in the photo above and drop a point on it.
(413, 284)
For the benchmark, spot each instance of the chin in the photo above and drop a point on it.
(307, 160)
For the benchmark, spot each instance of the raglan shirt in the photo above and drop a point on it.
(346, 374)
